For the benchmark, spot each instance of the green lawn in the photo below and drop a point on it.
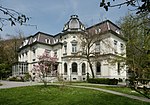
(55, 95)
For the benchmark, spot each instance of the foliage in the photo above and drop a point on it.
(137, 31)
(9, 50)
(27, 77)
(103, 81)
(45, 66)
(8, 54)
(12, 16)
(5, 70)
(54, 95)
(141, 6)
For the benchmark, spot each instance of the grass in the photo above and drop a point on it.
(56, 95)
(121, 89)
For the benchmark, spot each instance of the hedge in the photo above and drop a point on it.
(103, 81)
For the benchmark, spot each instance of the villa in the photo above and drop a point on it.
(72, 63)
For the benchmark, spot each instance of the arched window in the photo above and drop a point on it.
(83, 68)
(65, 68)
(74, 67)
(98, 68)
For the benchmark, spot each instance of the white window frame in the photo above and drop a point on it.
(97, 46)
(74, 47)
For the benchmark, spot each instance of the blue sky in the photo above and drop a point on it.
(51, 15)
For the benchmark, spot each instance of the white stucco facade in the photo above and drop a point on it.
(72, 63)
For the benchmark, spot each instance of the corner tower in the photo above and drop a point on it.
(74, 24)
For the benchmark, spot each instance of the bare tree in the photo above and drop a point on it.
(90, 50)
(12, 16)
(141, 6)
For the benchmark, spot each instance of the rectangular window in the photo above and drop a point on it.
(97, 46)
(55, 53)
(121, 47)
(115, 42)
(65, 48)
(26, 52)
(34, 54)
(74, 47)
(115, 46)
(83, 50)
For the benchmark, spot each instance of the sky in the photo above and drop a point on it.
(50, 15)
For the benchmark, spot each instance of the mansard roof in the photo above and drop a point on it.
(103, 27)
(40, 37)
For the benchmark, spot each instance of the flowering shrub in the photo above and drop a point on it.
(45, 66)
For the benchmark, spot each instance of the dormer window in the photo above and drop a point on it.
(82, 27)
(99, 30)
(96, 31)
(34, 40)
(117, 31)
(25, 42)
(47, 41)
(66, 27)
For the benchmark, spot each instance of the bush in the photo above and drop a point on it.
(103, 81)
(120, 80)
(27, 77)
(15, 79)
(113, 82)
(143, 80)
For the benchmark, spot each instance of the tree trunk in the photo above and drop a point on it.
(91, 68)
(45, 83)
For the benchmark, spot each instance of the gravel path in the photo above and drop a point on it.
(11, 84)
